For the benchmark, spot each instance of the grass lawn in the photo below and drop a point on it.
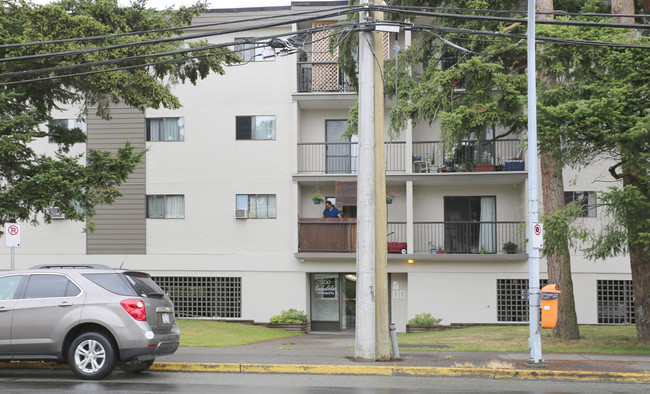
(221, 334)
(595, 339)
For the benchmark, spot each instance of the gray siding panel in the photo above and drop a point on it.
(120, 228)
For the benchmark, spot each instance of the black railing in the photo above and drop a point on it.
(342, 157)
(467, 237)
(466, 156)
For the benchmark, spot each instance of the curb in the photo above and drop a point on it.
(369, 370)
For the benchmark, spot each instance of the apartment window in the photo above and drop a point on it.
(512, 299)
(615, 302)
(470, 224)
(587, 200)
(166, 207)
(255, 127)
(448, 61)
(202, 296)
(69, 124)
(256, 206)
(166, 129)
(249, 51)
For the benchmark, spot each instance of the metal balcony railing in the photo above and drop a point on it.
(342, 157)
(466, 156)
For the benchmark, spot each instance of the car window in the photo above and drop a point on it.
(144, 285)
(113, 282)
(50, 286)
(8, 286)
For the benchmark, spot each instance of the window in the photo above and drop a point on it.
(69, 124)
(257, 206)
(585, 199)
(50, 286)
(512, 299)
(8, 287)
(615, 302)
(341, 154)
(166, 129)
(255, 127)
(470, 224)
(203, 296)
(166, 207)
(249, 51)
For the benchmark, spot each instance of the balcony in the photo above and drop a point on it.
(316, 77)
(428, 157)
(340, 235)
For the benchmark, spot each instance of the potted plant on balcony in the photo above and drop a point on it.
(433, 249)
(390, 196)
(318, 197)
(510, 247)
(290, 320)
(483, 162)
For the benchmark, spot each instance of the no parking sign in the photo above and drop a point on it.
(538, 235)
(12, 235)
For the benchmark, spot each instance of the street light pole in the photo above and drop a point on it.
(534, 339)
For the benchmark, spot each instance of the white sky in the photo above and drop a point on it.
(161, 4)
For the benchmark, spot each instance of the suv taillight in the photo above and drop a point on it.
(135, 308)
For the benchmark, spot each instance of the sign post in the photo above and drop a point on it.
(12, 239)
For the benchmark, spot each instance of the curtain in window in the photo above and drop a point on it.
(155, 129)
(262, 206)
(252, 206)
(265, 127)
(487, 229)
(175, 207)
(156, 207)
(174, 129)
(591, 207)
(272, 207)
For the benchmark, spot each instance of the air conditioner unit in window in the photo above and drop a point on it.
(241, 213)
(55, 213)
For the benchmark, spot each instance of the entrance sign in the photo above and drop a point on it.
(538, 235)
(12, 235)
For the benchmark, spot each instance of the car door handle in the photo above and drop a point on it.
(65, 304)
(4, 309)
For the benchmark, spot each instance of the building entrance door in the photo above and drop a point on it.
(333, 302)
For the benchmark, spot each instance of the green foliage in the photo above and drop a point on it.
(31, 183)
(509, 246)
(290, 316)
(424, 319)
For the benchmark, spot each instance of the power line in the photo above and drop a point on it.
(169, 29)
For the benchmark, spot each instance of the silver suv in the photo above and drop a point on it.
(92, 316)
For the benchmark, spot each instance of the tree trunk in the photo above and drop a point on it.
(639, 259)
(559, 263)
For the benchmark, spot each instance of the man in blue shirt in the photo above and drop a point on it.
(330, 211)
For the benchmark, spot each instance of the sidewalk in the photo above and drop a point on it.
(333, 353)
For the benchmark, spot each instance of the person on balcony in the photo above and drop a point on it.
(331, 211)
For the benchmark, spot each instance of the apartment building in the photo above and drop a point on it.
(222, 212)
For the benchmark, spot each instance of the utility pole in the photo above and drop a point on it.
(365, 309)
(534, 339)
(382, 351)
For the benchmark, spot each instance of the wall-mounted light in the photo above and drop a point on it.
(411, 261)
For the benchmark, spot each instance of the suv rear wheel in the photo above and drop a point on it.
(91, 356)
(135, 366)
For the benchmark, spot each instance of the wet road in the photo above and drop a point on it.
(176, 382)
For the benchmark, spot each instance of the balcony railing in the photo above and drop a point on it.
(428, 157)
(322, 77)
(340, 236)
(342, 157)
(467, 237)
(500, 155)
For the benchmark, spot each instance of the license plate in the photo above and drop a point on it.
(165, 318)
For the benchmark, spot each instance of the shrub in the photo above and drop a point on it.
(424, 319)
(290, 316)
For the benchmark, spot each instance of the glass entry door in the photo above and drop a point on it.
(333, 301)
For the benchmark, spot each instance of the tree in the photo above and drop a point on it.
(30, 183)
(602, 112)
(494, 95)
